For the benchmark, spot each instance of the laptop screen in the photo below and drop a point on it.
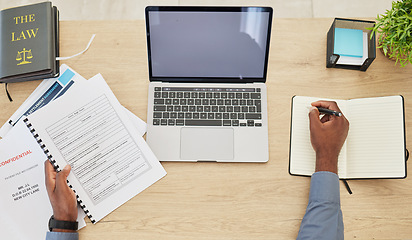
(208, 44)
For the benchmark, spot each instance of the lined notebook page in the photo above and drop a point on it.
(302, 156)
(375, 143)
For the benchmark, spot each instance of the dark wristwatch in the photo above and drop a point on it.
(53, 223)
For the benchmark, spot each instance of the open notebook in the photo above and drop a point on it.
(374, 148)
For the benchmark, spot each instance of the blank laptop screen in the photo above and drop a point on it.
(209, 44)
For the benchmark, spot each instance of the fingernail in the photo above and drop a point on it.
(66, 167)
(312, 108)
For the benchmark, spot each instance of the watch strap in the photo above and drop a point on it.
(53, 223)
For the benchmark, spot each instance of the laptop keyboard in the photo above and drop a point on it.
(237, 107)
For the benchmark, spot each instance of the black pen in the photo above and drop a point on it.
(329, 112)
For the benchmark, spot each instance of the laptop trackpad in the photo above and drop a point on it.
(206, 144)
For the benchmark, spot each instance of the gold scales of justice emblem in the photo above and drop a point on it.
(26, 55)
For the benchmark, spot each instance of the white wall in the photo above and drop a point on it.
(134, 9)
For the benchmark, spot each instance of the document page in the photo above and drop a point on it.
(88, 129)
(376, 139)
(24, 205)
(302, 157)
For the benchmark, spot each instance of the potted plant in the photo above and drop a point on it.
(395, 32)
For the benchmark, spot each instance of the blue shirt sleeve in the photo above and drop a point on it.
(62, 236)
(323, 217)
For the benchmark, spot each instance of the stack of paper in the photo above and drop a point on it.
(351, 45)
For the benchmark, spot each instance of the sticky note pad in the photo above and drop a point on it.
(348, 42)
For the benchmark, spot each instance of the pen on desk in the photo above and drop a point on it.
(329, 112)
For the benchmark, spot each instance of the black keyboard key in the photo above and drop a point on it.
(215, 109)
(241, 116)
(227, 123)
(175, 101)
(251, 123)
(157, 88)
(165, 115)
(216, 95)
(168, 101)
(212, 101)
(180, 122)
(188, 115)
(159, 101)
(185, 108)
(183, 101)
(238, 95)
(165, 95)
(194, 95)
(258, 90)
(192, 108)
(199, 108)
(256, 116)
(159, 108)
(231, 95)
(235, 123)
(220, 102)
(233, 116)
(218, 115)
(252, 109)
(226, 116)
(157, 94)
(163, 122)
(203, 115)
(210, 116)
(169, 108)
(250, 102)
(156, 121)
(190, 101)
(245, 109)
(246, 95)
(173, 115)
(179, 95)
(228, 102)
(236, 109)
(157, 115)
(209, 95)
(172, 94)
(177, 108)
(198, 101)
(196, 115)
(202, 95)
(243, 124)
(258, 124)
(180, 115)
(229, 109)
(206, 109)
(223, 95)
(203, 122)
(171, 122)
(186, 94)
(255, 96)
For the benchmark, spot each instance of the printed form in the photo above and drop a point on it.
(89, 129)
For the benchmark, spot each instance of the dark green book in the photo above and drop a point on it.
(29, 43)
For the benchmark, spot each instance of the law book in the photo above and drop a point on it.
(88, 129)
(374, 147)
(29, 43)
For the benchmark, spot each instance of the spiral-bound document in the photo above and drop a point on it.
(88, 129)
(374, 147)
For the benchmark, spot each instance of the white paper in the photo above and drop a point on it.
(24, 204)
(375, 144)
(50, 89)
(90, 130)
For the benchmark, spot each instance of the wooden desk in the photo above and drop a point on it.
(240, 201)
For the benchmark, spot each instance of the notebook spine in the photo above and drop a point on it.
(56, 166)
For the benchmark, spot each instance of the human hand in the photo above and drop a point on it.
(62, 198)
(327, 136)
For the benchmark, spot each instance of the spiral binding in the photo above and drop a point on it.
(56, 166)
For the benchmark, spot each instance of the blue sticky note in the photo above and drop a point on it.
(348, 42)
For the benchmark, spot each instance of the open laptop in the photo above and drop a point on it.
(207, 92)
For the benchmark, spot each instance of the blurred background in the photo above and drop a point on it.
(134, 9)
